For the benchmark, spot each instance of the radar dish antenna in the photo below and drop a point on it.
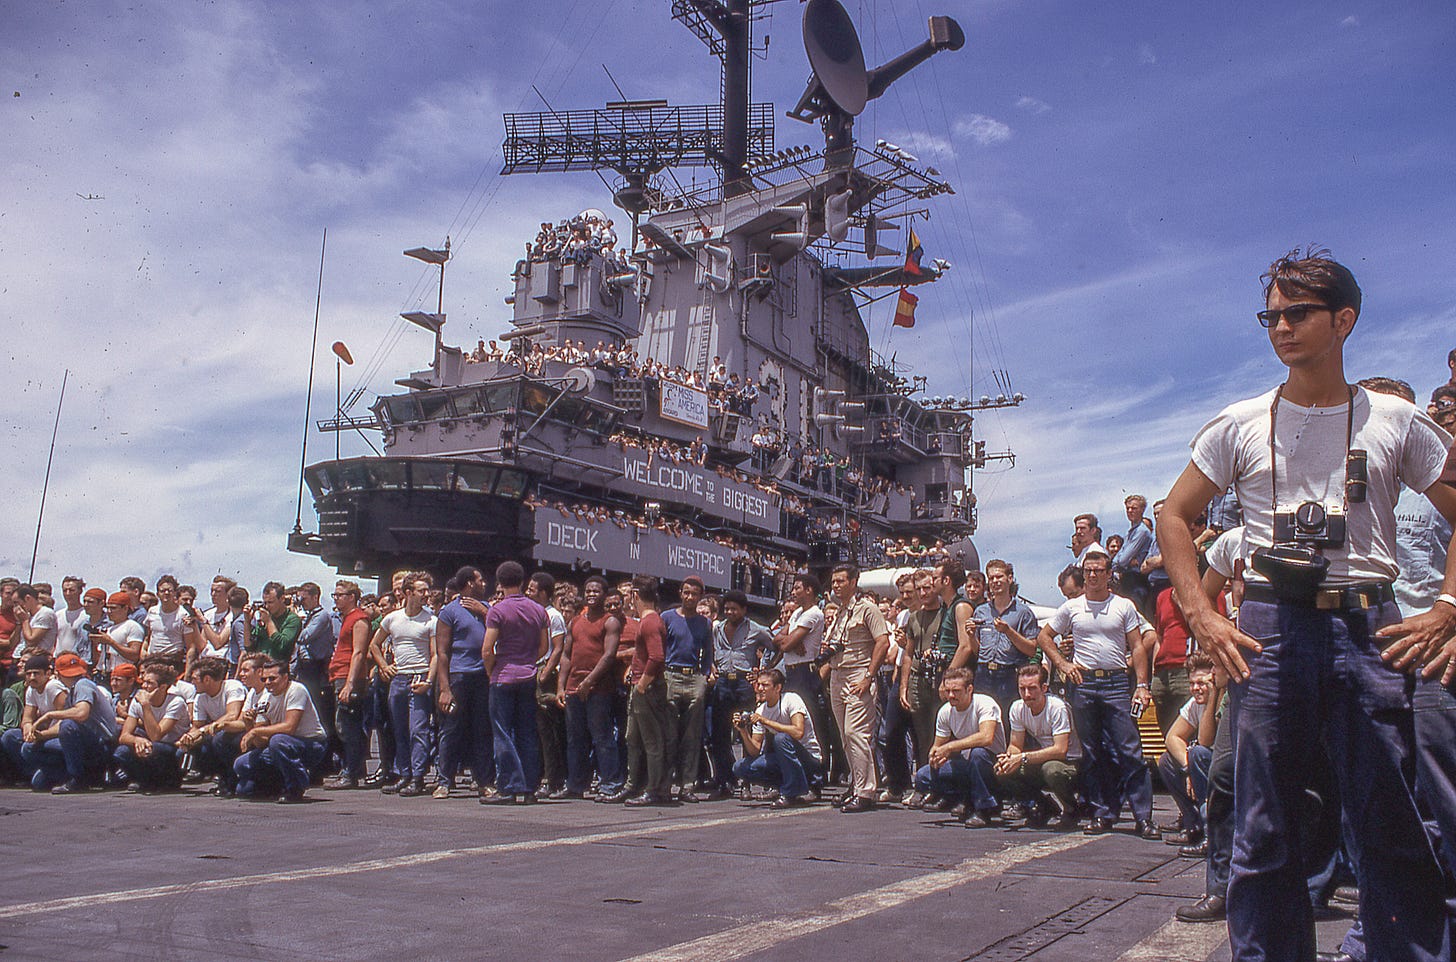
(840, 85)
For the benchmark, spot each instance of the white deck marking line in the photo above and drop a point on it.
(21, 909)
(760, 936)
(1178, 942)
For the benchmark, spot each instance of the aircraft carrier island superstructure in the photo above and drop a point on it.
(700, 397)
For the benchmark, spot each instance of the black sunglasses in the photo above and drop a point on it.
(1295, 313)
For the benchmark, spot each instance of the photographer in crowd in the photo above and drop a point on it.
(1317, 465)
(780, 748)
(286, 741)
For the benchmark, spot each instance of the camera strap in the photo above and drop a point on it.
(1274, 464)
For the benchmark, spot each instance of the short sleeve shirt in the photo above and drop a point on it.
(1041, 729)
(46, 699)
(209, 708)
(1402, 443)
(812, 619)
(413, 639)
(790, 704)
(856, 627)
(102, 717)
(467, 636)
(996, 648)
(273, 711)
(173, 706)
(44, 620)
(953, 724)
(519, 621)
(1099, 630)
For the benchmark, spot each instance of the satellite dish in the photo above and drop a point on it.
(835, 55)
(580, 380)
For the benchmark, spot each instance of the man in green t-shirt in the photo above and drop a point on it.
(275, 625)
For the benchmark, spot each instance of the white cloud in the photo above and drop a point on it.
(984, 130)
(1145, 55)
(1031, 105)
(1350, 21)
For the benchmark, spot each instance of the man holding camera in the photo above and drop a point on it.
(1317, 465)
(779, 745)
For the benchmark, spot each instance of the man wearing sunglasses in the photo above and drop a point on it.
(1317, 464)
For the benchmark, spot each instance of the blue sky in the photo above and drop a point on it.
(1124, 172)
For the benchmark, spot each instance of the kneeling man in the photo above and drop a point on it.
(968, 737)
(286, 744)
(779, 744)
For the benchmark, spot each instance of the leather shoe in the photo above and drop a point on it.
(616, 798)
(1200, 850)
(1210, 908)
(981, 820)
(1146, 830)
(1183, 836)
(648, 799)
(789, 801)
(341, 782)
(70, 787)
(497, 799)
(960, 811)
(563, 793)
(414, 787)
(379, 779)
(1097, 826)
(856, 805)
(1346, 895)
(1333, 957)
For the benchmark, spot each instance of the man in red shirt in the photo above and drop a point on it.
(349, 676)
(587, 683)
(1169, 679)
(649, 777)
(8, 624)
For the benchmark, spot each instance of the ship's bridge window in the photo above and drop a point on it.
(512, 484)
(435, 404)
(400, 409)
(321, 481)
(354, 476)
(535, 398)
(468, 402)
(431, 475)
(474, 478)
(500, 397)
(388, 475)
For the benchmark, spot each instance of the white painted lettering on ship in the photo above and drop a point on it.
(665, 476)
(570, 536)
(750, 504)
(695, 559)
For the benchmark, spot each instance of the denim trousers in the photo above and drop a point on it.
(970, 780)
(349, 726)
(410, 713)
(1319, 681)
(78, 753)
(782, 762)
(1112, 754)
(727, 696)
(465, 733)
(157, 770)
(894, 737)
(215, 756)
(515, 742)
(589, 731)
(286, 763)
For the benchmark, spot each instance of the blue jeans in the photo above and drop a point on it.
(12, 746)
(516, 741)
(893, 736)
(376, 719)
(588, 729)
(410, 713)
(783, 763)
(962, 779)
(78, 754)
(349, 725)
(1112, 753)
(157, 770)
(725, 697)
(215, 756)
(465, 733)
(1319, 681)
(1175, 780)
(287, 764)
(1000, 685)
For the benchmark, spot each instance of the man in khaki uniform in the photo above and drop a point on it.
(858, 641)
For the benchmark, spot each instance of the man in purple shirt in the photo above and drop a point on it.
(516, 640)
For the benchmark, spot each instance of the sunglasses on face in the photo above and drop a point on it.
(1296, 314)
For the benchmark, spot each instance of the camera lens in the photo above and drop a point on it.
(1310, 516)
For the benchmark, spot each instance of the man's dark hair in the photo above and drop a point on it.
(280, 664)
(808, 581)
(695, 581)
(851, 570)
(276, 587)
(168, 580)
(1036, 670)
(596, 580)
(1073, 572)
(27, 591)
(1091, 520)
(132, 583)
(509, 574)
(960, 674)
(1451, 358)
(952, 569)
(312, 588)
(237, 597)
(773, 675)
(1443, 393)
(735, 597)
(646, 588)
(1198, 661)
(1315, 274)
(166, 674)
(214, 668)
(544, 582)
(1389, 385)
(464, 575)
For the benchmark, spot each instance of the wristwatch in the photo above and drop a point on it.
(1449, 599)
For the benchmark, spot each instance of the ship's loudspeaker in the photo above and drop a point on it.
(835, 55)
(798, 238)
(836, 215)
(580, 380)
(718, 272)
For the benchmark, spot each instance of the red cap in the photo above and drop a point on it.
(124, 670)
(120, 598)
(95, 594)
(70, 665)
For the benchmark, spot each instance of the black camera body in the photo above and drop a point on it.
(826, 654)
(1311, 524)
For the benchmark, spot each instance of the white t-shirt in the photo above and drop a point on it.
(557, 620)
(955, 725)
(174, 706)
(44, 619)
(167, 631)
(273, 711)
(790, 704)
(812, 618)
(413, 640)
(1403, 445)
(221, 621)
(209, 708)
(186, 689)
(1192, 713)
(1041, 730)
(69, 636)
(47, 700)
(1227, 549)
(126, 633)
(1098, 629)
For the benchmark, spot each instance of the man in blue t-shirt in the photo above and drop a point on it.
(78, 757)
(1006, 628)
(462, 686)
(688, 651)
